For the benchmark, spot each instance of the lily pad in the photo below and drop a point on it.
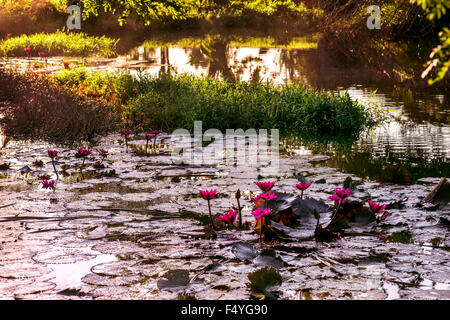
(244, 251)
(176, 279)
(262, 279)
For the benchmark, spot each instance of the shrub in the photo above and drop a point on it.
(32, 107)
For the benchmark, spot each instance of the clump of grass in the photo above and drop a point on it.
(59, 43)
(176, 102)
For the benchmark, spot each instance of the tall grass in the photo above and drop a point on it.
(171, 102)
(59, 43)
(176, 102)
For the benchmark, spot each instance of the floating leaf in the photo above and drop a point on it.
(264, 278)
(175, 279)
(244, 251)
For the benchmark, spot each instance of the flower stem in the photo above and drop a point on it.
(301, 197)
(81, 168)
(54, 168)
(146, 148)
(260, 231)
(240, 215)
(210, 215)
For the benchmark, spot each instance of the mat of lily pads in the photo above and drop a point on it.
(139, 229)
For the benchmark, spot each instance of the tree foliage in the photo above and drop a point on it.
(440, 56)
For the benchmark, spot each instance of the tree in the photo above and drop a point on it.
(145, 10)
(440, 56)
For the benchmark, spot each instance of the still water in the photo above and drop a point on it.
(387, 74)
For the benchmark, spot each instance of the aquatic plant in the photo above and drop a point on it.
(173, 102)
(229, 217)
(258, 201)
(155, 133)
(377, 208)
(340, 196)
(46, 184)
(259, 215)
(52, 154)
(103, 154)
(238, 196)
(83, 153)
(28, 52)
(209, 195)
(265, 186)
(302, 187)
(267, 196)
(66, 65)
(148, 137)
(126, 133)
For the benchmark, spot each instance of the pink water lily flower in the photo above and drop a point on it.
(49, 184)
(52, 153)
(84, 152)
(256, 199)
(302, 186)
(259, 213)
(376, 207)
(157, 131)
(208, 194)
(148, 136)
(66, 65)
(28, 50)
(267, 196)
(384, 215)
(103, 151)
(229, 217)
(125, 132)
(343, 193)
(265, 186)
(334, 198)
(41, 54)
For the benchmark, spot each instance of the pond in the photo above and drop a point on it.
(143, 232)
(138, 229)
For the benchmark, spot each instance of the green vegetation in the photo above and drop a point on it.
(236, 41)
(59, 43)
(155, 10)
(21, 7)
(440, 56)
(170, 102)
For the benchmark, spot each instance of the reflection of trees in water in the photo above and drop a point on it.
(216, 51)
(368, 160)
